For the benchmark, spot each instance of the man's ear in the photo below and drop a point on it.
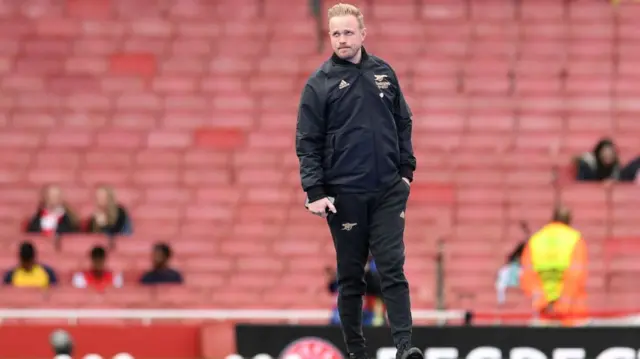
(363, 32)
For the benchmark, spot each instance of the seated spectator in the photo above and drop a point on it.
(161, 272)
(373, 310)
(631, 172)
(97, 277)
(53, 215)
(29, 273)
(110, 217)
(603, 164)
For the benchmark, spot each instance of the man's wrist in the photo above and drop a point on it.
(407, 172)
(315, 193)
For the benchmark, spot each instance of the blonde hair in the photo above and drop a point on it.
(112, 206)
(346, 10)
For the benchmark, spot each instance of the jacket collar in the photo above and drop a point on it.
(338, 61)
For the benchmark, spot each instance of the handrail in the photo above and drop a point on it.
(210, 314)
(147, 315)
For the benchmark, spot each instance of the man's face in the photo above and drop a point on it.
(158, 258)
(27, 263)
(346, 36)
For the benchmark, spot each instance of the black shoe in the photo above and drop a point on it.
(412, 353)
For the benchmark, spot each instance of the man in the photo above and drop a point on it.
(353, 141)
(554, 264)
(161, 273)
(61, 343)
(30, 274)
(97, 277)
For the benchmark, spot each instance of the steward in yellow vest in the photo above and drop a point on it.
(554, 271)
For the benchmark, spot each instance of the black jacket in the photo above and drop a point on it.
(354, 129)
(122, 225)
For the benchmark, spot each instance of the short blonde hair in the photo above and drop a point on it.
(346, 10)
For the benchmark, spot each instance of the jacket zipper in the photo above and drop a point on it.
(373, 133)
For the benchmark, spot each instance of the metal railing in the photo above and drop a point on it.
(147, 316)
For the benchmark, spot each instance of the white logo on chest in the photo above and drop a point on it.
(381, 81)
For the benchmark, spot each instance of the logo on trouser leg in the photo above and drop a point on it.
(402, 214)
(348, 226)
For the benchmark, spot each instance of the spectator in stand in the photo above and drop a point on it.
(373, 313)
(110, 217)
(509, 274)
(603, 165)
(53, 216)
(61, 343)
(631, 171)
(161, 273)
(28, 273)
(98, 277)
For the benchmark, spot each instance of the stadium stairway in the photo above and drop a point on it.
(188, 108)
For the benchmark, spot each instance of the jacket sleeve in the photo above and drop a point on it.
(34, 223)
(67, 225)
(402, 115)
(53, 278)
(310, 139)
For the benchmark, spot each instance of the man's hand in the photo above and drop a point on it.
(319, 207)
(407, 181)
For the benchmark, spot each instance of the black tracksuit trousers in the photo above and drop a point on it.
(371, 222)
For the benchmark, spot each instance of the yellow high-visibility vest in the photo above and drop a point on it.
(551, 250)
(617, 2)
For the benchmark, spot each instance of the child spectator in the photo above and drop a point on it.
(110, 217)
(53, 216)
(28, 273)
(97, 277)
(161, 273)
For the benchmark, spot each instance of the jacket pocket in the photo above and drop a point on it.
(406, 185)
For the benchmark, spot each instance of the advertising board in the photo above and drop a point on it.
(453, 342)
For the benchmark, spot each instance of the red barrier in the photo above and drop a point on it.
(156, 341)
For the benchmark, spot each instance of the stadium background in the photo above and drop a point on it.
(188, 109)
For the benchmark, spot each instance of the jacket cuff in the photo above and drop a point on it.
(407, 173)
(315, 193)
